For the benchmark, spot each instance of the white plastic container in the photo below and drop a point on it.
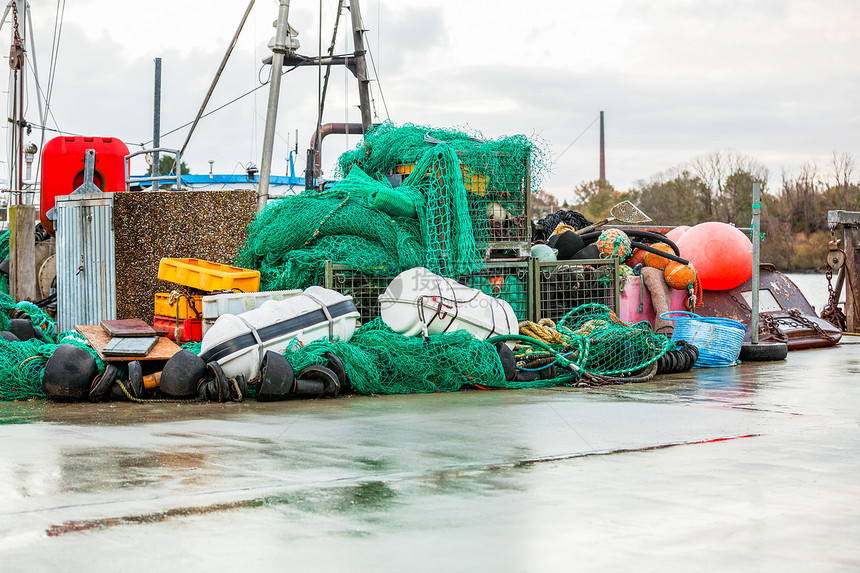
(420, 302)
(238, 342)
(214, 305)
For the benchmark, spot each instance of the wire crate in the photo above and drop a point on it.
(562, 286)
(499, 203)
(508, 280)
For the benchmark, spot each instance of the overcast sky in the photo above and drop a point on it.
(778, 80)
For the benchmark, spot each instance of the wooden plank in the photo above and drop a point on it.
(98, 339)
(128, 328)
(22, 252)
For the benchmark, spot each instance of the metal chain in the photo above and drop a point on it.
(16, 50)
(768, 325)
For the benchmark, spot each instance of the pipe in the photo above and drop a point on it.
(312, 168)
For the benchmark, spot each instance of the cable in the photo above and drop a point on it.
(557, 157)
(378, 81)
(219, 108)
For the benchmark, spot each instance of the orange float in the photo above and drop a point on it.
(679, 276)
(656, 261)
(637, 258)
(720, 253)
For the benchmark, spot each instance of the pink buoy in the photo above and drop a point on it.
(720, 253)
(676, 233)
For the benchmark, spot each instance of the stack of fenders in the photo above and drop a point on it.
(180, 312)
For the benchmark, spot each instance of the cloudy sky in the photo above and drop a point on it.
(778, 80)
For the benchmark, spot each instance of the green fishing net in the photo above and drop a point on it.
(22, 363)
(458, 194)
(615, 348)
(377, 360)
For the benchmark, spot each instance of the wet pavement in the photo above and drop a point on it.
(751, 468)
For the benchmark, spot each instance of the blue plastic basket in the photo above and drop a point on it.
(719, 340)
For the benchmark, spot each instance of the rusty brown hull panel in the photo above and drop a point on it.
(776, 292)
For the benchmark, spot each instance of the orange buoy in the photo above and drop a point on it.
(637, 258)
(679, 276)
(656, 261)
(614, 243)
(720, 253)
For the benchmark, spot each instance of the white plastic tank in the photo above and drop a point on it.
(238, 342)
(417, 301)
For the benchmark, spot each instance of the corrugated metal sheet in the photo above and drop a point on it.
(86, 267)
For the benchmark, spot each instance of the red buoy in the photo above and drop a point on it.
(676, 233)
(720, 253)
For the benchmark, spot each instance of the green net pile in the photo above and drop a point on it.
(22, 363)
(614, 347)
(377, 360)
(496, 173)
(436, 218)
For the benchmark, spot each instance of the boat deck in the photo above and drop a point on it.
(751, 468)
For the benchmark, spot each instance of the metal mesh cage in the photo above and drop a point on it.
(508, 280)
(563, 286)
(499, 197)
(499, 203)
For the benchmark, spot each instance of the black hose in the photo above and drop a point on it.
(591, 237)
(663, 254)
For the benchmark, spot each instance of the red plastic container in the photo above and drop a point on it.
(63, 168)
(190, 329)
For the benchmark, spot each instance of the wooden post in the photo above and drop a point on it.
(22, 253)
(850, 223)
(851, 246)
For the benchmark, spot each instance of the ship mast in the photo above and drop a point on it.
(284, 54)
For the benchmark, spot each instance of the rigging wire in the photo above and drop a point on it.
(378, 81)
(569, 145)
(220, 107)
(216, 78)
(59, 18)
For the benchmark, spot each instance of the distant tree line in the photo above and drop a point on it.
(718, 187)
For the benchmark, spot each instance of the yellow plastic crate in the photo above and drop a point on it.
(185, 306)
(208, 276)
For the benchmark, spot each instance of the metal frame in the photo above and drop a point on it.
(153, 179)
(343, 279)
(592, 270)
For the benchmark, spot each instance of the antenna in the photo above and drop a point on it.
(602, 152)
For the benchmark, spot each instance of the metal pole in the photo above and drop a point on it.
(756, 246)
(156, 124)
(279, 50)
(216, 78)
(23, 33)
(361, 65)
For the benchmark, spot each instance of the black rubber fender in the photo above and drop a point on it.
(316, 373)
(335, 364)
(102, 384)
(763, 351)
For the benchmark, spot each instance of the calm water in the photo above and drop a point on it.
(814, 287)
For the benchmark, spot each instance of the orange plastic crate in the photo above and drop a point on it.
(208, 276)
(185, 307)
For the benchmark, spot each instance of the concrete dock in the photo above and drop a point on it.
(749, 468)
